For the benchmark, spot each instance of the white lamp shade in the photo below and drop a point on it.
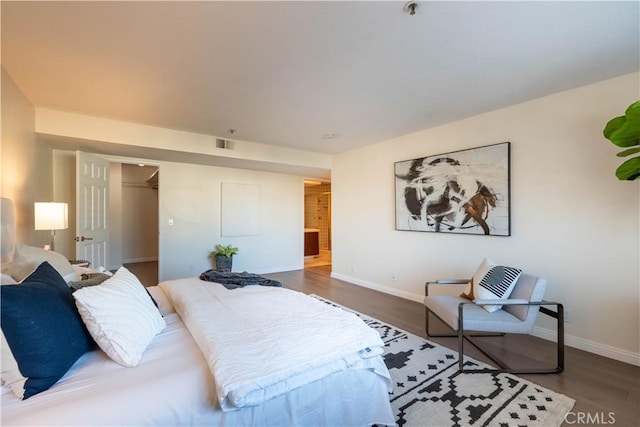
(51, 216)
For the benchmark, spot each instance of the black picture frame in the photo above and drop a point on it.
(463, 192)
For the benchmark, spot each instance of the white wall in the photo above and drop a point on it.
(572, 220)
(190, 195)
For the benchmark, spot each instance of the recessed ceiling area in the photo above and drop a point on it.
(290, 73)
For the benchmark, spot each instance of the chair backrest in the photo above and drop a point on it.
(530, 288)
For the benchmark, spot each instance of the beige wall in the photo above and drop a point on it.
(572, 220)
(115, 216)
(26, 163)
(64, 189)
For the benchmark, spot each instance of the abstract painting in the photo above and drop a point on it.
(464, 191)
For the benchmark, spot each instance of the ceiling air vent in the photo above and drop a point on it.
(225, 144)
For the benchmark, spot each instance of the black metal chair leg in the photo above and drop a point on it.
(559, 315)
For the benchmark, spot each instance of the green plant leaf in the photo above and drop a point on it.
(222, 250)
(629, 170)
(613, 125)
(624, 131)
(629, 152)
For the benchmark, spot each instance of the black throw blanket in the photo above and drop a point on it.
(237, 280)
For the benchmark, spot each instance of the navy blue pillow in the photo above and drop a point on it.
(43, 328)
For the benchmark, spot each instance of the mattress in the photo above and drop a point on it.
(173, 386)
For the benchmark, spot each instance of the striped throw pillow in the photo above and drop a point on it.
(493, 281)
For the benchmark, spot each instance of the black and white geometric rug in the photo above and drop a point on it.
(429, 391)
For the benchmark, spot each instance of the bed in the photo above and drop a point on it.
(175, 381)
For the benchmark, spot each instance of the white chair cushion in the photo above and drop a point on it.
(475, 317)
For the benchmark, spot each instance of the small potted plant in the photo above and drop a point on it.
(223, 257)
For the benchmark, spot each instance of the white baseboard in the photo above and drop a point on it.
(143, 259)
(611, 352)
(280, 269)
(375, 286)
(615, 353)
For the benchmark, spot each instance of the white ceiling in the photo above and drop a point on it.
(287, 73)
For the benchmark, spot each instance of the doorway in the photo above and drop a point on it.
(139, 221)
(317, 223)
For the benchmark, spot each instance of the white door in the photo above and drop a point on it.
(92, 208)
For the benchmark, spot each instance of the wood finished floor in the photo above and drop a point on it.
(146, 272)
(599, 385)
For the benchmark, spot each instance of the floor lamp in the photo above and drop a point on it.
(51, 216)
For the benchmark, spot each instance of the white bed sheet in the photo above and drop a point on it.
(172, 386)
(263, 341)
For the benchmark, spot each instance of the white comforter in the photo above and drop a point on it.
(261, 342)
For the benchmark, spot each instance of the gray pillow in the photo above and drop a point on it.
(92, 279)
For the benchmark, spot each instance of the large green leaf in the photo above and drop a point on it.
(629, 170)
(628, 152)
(624, 131)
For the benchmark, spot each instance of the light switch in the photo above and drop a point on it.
(170, 221)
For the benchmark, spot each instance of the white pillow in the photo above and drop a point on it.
(493, 281)
(27, 258)
(120, 316)
(10, 373)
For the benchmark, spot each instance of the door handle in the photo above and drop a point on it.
(82, 238)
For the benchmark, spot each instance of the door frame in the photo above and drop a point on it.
(146, 162)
